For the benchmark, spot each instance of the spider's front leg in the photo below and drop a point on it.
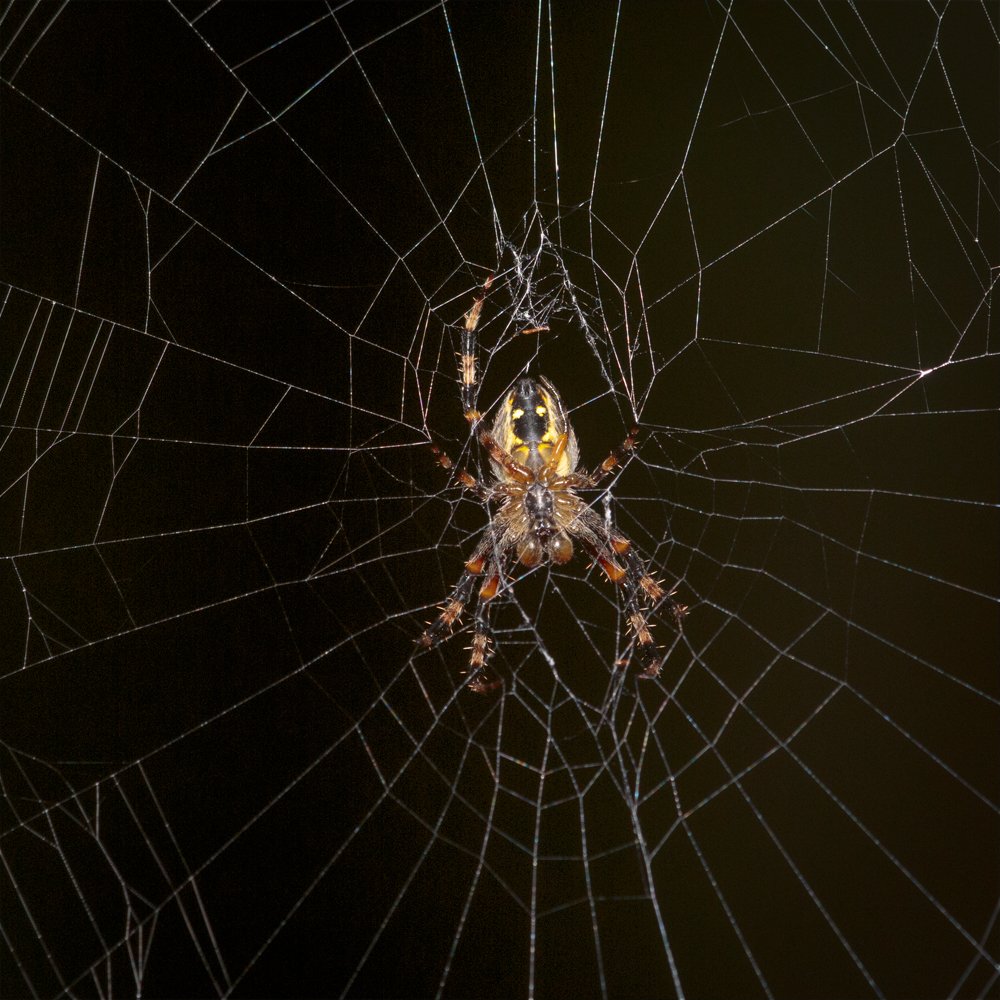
(624, 567)
(487, 565)
(642, 589)
(481, 650)
(451, 611)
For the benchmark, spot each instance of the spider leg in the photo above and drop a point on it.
(615, 458)
(467, 357)
(641, 589)
(470, 390)
(624, 567)
(461, 475)
(484, 564)
(486, 560)
(439, 629)
(481, 650)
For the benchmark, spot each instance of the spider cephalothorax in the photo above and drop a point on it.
(538, 512)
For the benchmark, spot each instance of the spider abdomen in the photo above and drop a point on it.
(528, 425)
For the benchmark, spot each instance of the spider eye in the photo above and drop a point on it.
(561, 549)
(530, 552)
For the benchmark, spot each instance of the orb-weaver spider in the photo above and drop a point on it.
(535, 458)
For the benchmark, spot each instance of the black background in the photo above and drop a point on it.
(237, 243)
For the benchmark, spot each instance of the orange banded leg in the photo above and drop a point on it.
(616, 458)
(642, 589)
(623, 567)
(451, 611)
(479, 566)
(481, 651)
(468, 375)
(453, 607)
(462, 476)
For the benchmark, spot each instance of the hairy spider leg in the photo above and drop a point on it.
(469, 381)
(487, 563)
(641, 589)
(626, 569)
(439, 629)
(462, 476)
(468, 376)
(482, 648)
(615, 458)
(451, 611)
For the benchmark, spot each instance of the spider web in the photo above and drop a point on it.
(237, 246)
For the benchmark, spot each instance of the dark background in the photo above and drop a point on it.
(236, 245)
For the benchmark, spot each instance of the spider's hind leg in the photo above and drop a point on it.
(453, 607)
(612, 462)
(481, 566)
(468, 356)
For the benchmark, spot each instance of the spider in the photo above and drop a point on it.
(537, 511)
